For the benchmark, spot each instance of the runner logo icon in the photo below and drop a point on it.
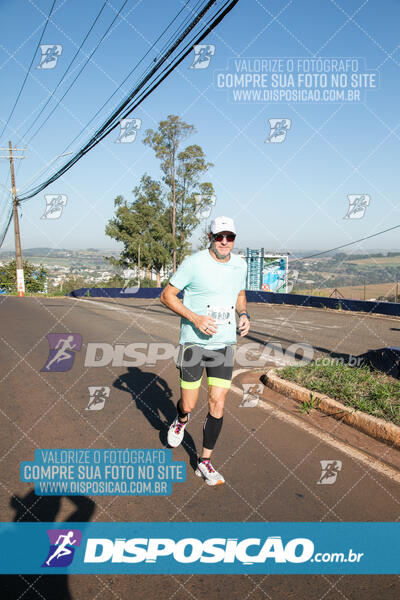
(278, 129)
(61, 551)
(50, 55)
(330, 470)
(98, 396)
(128, 130)
(62, 351)
(202, 55)
(54, 206)
(251, 394)
(358, 204)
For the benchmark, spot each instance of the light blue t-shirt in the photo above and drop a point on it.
(210, 287)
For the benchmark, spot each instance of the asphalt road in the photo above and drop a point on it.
(271, 463)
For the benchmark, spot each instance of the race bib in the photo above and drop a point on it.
(223, 315)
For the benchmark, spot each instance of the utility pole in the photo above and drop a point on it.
(18, 251)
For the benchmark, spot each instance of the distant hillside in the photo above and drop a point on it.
(385, 291)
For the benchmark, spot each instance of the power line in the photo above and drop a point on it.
(345, 245)
(28, 71)
(66, 71)
(166, 71)
(78, 75)
(126, 78)
(113, 120)
(136, 66)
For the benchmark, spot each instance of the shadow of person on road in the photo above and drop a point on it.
(42, 509)
(153, 397)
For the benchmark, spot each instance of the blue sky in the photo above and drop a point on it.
(284, 196)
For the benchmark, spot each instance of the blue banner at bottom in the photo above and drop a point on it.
(194, 548)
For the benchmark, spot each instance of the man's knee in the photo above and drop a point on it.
(216, 401)
(188, 399)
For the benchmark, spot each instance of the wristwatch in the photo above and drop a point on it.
(244, 313)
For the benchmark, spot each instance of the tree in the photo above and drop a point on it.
(143, 227)
(182, 171)
(193, 198)
(35, 277)
(204, 242)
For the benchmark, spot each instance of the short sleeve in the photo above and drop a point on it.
(183, 275)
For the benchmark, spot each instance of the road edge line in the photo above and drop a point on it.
(355, 453)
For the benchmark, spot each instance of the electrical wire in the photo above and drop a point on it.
(368, 237)
(28, 71)
(126, 78)
(113, 120)
(78, 75)
(65, 72)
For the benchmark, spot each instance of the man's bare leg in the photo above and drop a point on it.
(186, 404)
(188, 401)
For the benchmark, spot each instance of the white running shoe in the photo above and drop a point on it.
(176, 432)
(208, 473)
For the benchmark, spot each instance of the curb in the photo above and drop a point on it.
(373, 426)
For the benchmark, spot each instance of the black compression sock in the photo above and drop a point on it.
(211, 430)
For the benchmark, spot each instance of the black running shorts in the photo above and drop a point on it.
(192, 360)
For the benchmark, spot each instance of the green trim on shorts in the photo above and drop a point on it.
(190, 385)
(217, 382)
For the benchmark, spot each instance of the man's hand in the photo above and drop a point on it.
(205, 324)
(244, 325)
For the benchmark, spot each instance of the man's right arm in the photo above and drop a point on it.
(169, 298)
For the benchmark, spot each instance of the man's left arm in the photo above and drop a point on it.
(244, 319)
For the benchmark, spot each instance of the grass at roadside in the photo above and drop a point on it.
(369, 391)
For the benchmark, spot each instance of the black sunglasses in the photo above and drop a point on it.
(230, 237)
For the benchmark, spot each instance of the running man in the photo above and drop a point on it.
(213, 281)
(62, 549)
(62, 346)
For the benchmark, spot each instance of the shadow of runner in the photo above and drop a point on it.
(153, 397)
(42, 509)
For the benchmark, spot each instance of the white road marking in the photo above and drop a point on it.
(359, 455)
(308, 325)
(118, 308)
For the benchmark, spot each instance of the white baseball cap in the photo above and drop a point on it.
(222, 224)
